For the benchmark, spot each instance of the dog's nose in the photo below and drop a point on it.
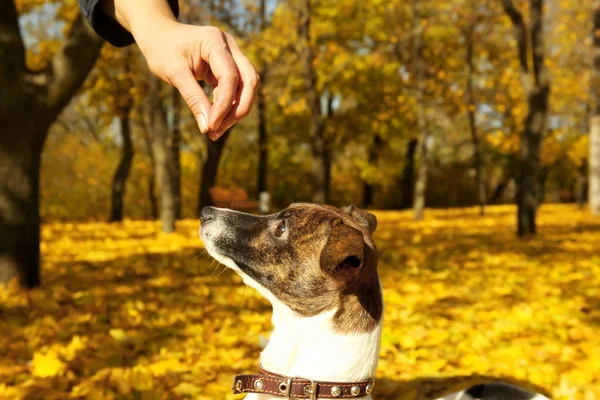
(206, 214)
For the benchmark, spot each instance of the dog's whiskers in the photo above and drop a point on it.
(216, 266)
(245, 299)
(222, 272)
(201, 254)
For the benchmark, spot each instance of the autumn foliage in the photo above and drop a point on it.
(129, 313)
(362, 102)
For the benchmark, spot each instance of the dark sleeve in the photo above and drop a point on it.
(107, 27)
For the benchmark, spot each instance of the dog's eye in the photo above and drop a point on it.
(280, 229)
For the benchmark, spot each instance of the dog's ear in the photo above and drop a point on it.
(365, 219)
(344, 252)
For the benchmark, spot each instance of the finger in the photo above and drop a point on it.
(210, 78)
(207, 76)
(194, 96)
(227, 123)
(221, 131)
(249, 79)
(224, 69)
(229, 120)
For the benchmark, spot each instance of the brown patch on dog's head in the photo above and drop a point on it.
(343, 254)
(313, 258)
(352, 251)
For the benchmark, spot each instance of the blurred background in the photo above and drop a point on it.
(384, 86)
(468, 126)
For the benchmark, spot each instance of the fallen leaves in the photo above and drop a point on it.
(126, 312)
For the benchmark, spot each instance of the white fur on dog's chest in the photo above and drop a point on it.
(309, 347)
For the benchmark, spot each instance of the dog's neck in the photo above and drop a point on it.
(310, 347)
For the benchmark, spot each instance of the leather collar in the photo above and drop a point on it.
(297, 387)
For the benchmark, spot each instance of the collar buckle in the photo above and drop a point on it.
(286, 388)
(310, 389)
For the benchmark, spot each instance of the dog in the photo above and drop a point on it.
(317, 266)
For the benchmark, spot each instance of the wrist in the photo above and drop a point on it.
(144, 27)
(142, 18)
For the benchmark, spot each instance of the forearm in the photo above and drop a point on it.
(139, 16)
(119, 21)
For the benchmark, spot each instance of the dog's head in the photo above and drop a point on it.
(312, 258)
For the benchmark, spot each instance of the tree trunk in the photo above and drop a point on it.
(369, 188)
(542, 178)
(263, 156)
(320, 151)
(210, 169)
(537, 88)
(594, 166)
(122, 172)
(499, 190)
(163, 158)
(263, 160)
(527, 183)
(580, 186)
(151, 178)
(29, 103)
(594, 159)
(408, 175)
(422, 146)
(20, 151)
(471, 110)
(175, 145)
(421, 182)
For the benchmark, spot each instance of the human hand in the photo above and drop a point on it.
(183, 54)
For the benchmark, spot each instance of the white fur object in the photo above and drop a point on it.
(309, 347)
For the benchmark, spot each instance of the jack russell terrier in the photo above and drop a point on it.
(317, 265)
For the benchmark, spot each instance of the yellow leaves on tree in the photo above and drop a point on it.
(551, 150)
(579, 151)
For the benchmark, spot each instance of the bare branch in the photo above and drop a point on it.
(537, 42)
(91, 127)
(12, 49)
(512, 12)
(63, 125)
(71, 64)
(520, 32)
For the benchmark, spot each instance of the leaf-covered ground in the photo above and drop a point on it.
(128, 313)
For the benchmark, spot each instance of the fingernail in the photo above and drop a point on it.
(214, 135)
(202, 123)
(227, 127)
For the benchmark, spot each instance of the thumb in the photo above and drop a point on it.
(194, 96)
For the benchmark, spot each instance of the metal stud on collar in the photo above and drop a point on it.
(369, 387)
(355, 390)
(336, 391)
(259, 384)
(238, 385)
